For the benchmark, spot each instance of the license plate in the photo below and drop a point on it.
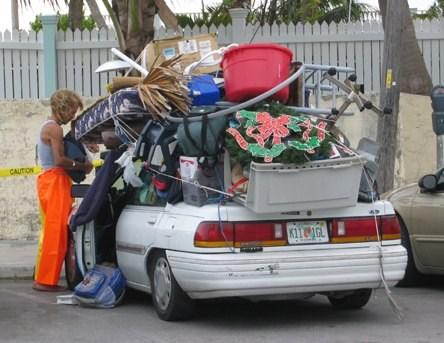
(307, 232)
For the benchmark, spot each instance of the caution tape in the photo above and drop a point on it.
(26, 171)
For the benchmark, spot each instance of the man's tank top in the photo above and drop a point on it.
(44, 150)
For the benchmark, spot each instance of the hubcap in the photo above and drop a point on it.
(162, 283)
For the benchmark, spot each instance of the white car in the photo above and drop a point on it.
(182, 253)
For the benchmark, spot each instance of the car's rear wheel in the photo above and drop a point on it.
(411, 276)
(170, 301)
(351, 301)
(72, 271)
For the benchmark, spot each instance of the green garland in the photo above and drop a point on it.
(292, 149)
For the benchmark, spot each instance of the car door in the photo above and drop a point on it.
(136, 229)
(427, 223)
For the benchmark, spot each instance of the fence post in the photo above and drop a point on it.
(238, 24)
(49, 23)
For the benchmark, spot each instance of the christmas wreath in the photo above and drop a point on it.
(275, 133)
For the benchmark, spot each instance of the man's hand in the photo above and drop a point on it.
(88, 166)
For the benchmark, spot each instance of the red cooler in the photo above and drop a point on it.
(252, 69)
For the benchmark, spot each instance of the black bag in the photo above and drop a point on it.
(75, 151)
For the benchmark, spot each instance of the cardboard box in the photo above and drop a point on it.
(193, 48)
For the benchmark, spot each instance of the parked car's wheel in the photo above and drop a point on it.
(72, 271)
(411, 276)
(351, 301)
(170, 301)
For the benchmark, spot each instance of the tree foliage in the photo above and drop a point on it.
(279, 11)
(133, 20)
(87, 23)
(434, 12)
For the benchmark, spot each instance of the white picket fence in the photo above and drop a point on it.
(357, 45)
(78, 56)
(21, 58)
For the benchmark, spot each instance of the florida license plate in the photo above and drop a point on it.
(307, 232)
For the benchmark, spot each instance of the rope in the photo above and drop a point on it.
(194, 183)
(395, 307)
(120, 125)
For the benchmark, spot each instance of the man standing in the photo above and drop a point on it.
(54, 190)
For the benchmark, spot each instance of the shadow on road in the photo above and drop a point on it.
(434, 282)
(313, 311)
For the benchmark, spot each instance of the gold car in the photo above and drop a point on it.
(420, 208)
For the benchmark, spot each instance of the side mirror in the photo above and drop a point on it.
(428, 182)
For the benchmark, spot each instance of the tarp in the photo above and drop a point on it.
(96, 195)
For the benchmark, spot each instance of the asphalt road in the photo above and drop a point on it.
(29, 316)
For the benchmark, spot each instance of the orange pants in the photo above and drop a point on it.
(54, 192)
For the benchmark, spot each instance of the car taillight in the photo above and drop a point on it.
(350, 230)
(214, 235)
(262, 234)
(266, 234)
(240, 234)
(390, 227)
(363, 229)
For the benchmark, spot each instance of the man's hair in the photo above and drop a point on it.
(63, 102)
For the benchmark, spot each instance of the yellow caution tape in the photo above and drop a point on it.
(25, 171)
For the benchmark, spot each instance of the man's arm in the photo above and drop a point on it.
(54, 134)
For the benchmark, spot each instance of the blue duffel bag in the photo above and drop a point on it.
(102, 287)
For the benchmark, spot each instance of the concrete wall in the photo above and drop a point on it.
(20, 122)
(417, 141)
(19, 127)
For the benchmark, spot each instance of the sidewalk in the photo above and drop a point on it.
(17, 259)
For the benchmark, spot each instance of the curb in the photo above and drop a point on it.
(16, 273)
(17, 259)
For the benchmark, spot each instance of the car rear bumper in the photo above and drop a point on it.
(204, 276)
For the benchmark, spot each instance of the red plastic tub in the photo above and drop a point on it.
(252, 69)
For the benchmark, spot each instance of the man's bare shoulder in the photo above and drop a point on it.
(52, 131)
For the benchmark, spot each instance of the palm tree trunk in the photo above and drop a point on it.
(14, 15)
(414, 77)
(75, 13)
(136, 35)
(407, 71)
(387, 135)
(167, 16)
(95, 13)
(114, 14)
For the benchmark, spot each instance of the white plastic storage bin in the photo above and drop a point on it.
(276, 187)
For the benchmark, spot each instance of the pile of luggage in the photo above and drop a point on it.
(238, 132)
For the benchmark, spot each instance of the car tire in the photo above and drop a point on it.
(356, 300)
(72, 271)
(411, 276)
(170, 301)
